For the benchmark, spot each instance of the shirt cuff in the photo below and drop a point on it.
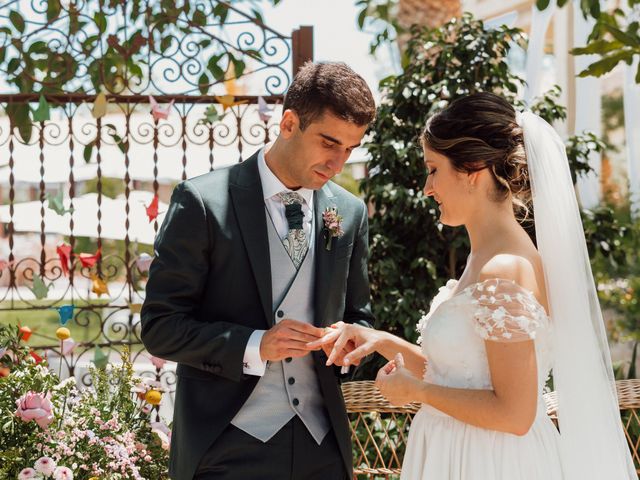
(252, 364)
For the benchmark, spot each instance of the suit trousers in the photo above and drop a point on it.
(291, 454)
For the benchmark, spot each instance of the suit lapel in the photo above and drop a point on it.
(245, 189)
(324, 258)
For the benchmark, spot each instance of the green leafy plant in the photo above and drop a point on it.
(412, 254)
(102, 430)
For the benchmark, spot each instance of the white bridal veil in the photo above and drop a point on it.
(593, 445)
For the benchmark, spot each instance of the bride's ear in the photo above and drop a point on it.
(473, 180)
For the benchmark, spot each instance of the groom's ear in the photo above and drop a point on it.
(289, 123)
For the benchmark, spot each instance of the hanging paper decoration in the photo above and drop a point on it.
(64, 253)
(135, 307)
(211, 114)
(68, 344)
(143, 262)
(66, 313)
(152, 209)
(56, 203)
(158, 112)
(100, 359)
(100, 106)
(265, 112)
(98, 286)
(228, 101)
(157, 362)
(39, 289)
(42, 113)
(6, 264)
(88, 260)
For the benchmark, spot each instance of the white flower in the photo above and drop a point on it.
(63, 473)
(45, 466)
(27, 473)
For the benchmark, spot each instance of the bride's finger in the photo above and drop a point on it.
(359, 352)
(399, 360)
(326, 339)
(340, 344)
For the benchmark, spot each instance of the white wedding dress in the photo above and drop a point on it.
(453, 336)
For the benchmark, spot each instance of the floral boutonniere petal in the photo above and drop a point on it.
(332, 225)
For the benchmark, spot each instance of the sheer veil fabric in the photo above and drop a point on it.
(592, 444)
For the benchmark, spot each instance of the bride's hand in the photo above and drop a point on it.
(346, 344)
(396, 383)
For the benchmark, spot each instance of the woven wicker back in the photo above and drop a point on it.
(379, 431)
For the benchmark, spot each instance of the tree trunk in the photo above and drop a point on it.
(430, 13)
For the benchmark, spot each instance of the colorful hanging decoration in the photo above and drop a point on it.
(100, 106)
(39, 289)
(65, 312)
(159, 112)
(152, 209)
(88, 260)
(56, 203)
(265, 111)
(100, 359)
(228, 101)
(143, 262)
(64, 254)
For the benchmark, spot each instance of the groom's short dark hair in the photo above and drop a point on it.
(330, 86)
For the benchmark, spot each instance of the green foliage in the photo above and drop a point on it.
(412, 254)
(614, 36)
(379, 15)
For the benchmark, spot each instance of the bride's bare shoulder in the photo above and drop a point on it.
(524, 268)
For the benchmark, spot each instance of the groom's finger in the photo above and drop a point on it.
(305, 338)
(306, 328)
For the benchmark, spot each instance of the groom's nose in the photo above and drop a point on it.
(335, 164)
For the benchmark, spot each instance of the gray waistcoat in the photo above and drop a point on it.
(287, 388)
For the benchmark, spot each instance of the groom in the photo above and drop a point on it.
(246, 273)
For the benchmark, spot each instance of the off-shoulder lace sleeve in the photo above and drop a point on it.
(506, 312)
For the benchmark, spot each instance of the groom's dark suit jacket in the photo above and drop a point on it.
(209, 288)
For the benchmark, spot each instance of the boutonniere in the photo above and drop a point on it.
(332, 225)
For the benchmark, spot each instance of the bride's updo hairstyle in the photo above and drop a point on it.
(480, 131)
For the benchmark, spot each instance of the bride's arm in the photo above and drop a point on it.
(509, 407)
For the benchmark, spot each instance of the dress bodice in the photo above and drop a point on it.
(454, 332)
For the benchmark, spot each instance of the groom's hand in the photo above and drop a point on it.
(288, 338)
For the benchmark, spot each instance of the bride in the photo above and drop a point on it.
(491, 338)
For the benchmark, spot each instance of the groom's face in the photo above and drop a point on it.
(319, 152)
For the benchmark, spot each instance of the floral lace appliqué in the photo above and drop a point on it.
(506, 312)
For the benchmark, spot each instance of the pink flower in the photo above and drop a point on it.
(27, 473)
(35, 406)
(163, 432)
(62, 473)
(45, 465)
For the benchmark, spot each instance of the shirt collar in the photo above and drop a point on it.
(271, 185)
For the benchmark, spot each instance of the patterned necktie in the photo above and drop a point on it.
(296, 241)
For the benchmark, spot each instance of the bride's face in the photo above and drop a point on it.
(448, 187)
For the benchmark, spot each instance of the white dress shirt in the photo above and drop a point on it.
(271, 186)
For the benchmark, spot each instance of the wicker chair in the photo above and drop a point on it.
(379, 430)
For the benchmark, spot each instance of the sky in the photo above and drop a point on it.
(335, 32)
